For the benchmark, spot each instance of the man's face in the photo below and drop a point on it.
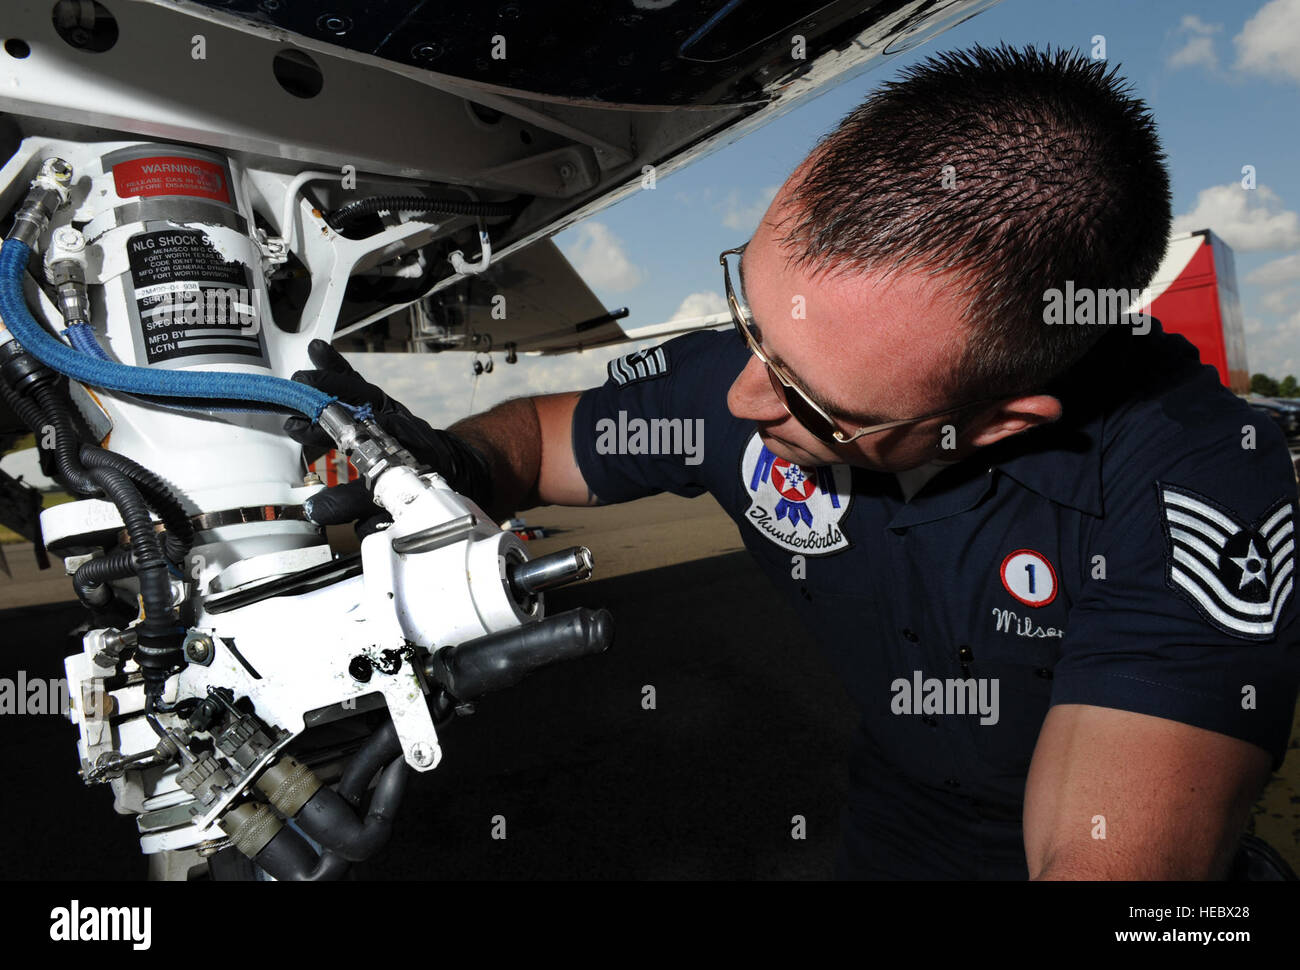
(868, 347)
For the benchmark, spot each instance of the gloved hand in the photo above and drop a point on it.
(462, 465)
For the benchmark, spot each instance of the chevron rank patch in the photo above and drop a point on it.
(1237, 576)
(640, 366)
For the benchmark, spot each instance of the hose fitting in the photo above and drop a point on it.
(65, 269)
(49, 191)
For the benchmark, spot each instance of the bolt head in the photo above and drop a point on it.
(199, 649)
(422, 754)
(68, 238)
(59, 168)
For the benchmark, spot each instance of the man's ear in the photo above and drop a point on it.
(1010, 417)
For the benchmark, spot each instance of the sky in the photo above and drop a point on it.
(1222, 80)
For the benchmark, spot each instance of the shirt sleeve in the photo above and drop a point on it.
(1189, 611)
(654, 425)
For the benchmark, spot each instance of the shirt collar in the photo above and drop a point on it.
(1062, 461)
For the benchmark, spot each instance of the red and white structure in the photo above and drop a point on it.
(334, 469)
(1194, 294)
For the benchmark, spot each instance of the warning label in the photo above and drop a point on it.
(171, 175)
(190, 299)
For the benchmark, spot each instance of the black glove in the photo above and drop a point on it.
(462, 465)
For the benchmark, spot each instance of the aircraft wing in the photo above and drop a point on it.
(532, 302)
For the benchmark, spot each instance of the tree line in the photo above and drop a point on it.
(1268, 387)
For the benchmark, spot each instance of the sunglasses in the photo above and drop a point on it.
(798, 404)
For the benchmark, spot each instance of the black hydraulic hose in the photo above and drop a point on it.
(158, 494)
(144, 541)
(51, 407)
(370, 757)
(92, 577)
(44, 405)
(291, 858)
(28, 411)
(502, 659)
(378, 749)
(340, 217)
(330, 867)
(331, 821)
(55, 409)
(158, 644)
(288, 857)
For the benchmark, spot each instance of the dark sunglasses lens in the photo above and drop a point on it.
(799, 409)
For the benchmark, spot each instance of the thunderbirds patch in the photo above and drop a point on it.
(640, 366)
(1237, 576)
(797, 507)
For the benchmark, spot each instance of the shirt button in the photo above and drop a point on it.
(909, 636)
(965, 655)
(952, 782)
(1044, 672)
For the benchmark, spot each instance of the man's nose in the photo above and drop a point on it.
(751, 397)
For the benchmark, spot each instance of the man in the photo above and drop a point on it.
(1053, 563)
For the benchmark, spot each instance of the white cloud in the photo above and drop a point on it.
(1277, 271)
(1281, 301)
(700, 305)
(1274, 350)
(742, 216)
(1249, 220)
(598, 256)
(1195, 25)
(1269, 42)
(1198, 44)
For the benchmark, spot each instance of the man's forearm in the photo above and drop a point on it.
(509, 437)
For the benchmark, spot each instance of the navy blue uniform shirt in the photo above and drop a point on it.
(1137, 554)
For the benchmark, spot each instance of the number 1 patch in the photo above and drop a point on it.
(1029, 577)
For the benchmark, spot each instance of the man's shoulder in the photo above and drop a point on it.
(1165, 405)
(1180, 431)
(660, 422)
(701, 363)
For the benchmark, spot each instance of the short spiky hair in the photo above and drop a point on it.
(1057, 174)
